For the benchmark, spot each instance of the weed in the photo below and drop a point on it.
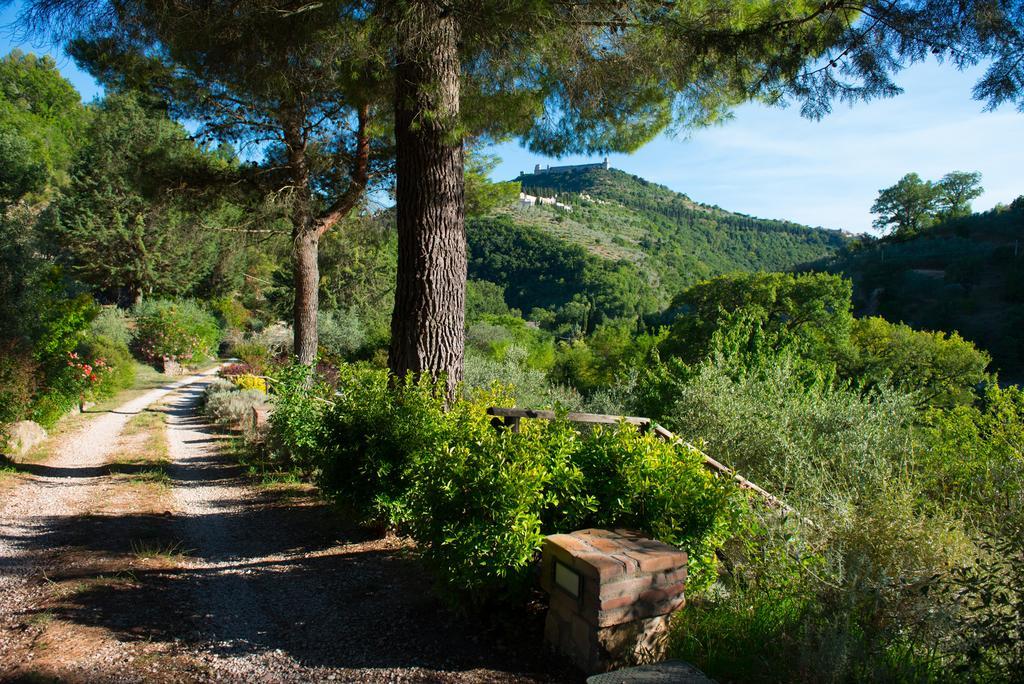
(145, 549)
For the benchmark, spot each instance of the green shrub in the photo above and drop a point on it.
(232, 408)
(179, 330)
(115, 355)
(530, 387)
(645, 483)
(342, 334)
(114, 324)
(479, 501)
(18, 378)
(295, 439)
(254, 354)
(371, 435)
(476, 504)
(230, 312)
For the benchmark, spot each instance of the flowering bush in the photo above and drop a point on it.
(86, 376)
(176, 330)
(247, 381)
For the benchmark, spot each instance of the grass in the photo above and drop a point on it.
(147, 463)
(154, 549)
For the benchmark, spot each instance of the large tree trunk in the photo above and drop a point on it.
(427, 327)
(305, 251)
(307, 294)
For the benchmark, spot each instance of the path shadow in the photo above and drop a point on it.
(287, 573)
(363, 604)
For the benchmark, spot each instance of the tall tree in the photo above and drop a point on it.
(906, 207)
(956, 191)
(589, 77)
(596, 77)
(283, 80)
(122, 224)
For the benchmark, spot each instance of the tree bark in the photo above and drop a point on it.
(427, 326)
(305, 251)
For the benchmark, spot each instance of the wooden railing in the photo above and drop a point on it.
(509, 418)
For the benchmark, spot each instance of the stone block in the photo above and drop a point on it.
(629, 586)
(23, 436)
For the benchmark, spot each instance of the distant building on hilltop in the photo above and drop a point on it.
(527, 201)
(576, 168)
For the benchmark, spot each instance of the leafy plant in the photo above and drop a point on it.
(179, 330)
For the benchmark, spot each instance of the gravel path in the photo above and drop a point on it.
(59, 489)
(248, 583)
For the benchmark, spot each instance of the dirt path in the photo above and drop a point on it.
(235, 582)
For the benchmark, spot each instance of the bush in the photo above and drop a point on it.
(529, 387)
(247, 381)
(18, 378)
(295, 439)
(478, 501)
(341, 333)
(179, 330)
(847, 461)
(231, 313)
(115, 355)
(113, 324)
(231, 408)
(228, 405)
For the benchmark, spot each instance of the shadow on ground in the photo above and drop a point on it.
(290, 573)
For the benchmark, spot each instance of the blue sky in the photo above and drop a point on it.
(772, 163)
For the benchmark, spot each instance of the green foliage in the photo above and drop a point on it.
(477, 500)
(482, 195)
(342, 334)
(18, 378)
(974, 455)
(484, 298)
(180, 330)
(991, 631)
(296, 437)
(231, 407)
(809, 313)
(961, 275)
(578, 290)
(230, 312)
(597, 362)
(672, 240)
(955, 192)
(121, 225)
(938, 369)
(41, 120)
(117, 359)
(20, 173)
(907, 207)
(113, 324)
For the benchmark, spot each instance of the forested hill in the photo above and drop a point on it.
(675, 240)
(966, 274)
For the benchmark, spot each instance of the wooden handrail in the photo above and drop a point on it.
(509, 418)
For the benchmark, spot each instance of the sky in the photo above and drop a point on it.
(772, 163)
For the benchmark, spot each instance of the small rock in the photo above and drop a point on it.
(24, 435)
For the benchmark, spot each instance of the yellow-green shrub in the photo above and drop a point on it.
(247, 381)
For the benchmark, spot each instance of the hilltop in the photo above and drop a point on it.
(674, 239)
(627, 246)
(964, 275)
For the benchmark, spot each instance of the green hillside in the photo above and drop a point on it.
(964, 275)
(672, 239)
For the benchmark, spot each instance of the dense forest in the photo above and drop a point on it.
(962, 273)
(868, 401)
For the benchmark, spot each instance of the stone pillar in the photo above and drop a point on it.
(612, 594)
